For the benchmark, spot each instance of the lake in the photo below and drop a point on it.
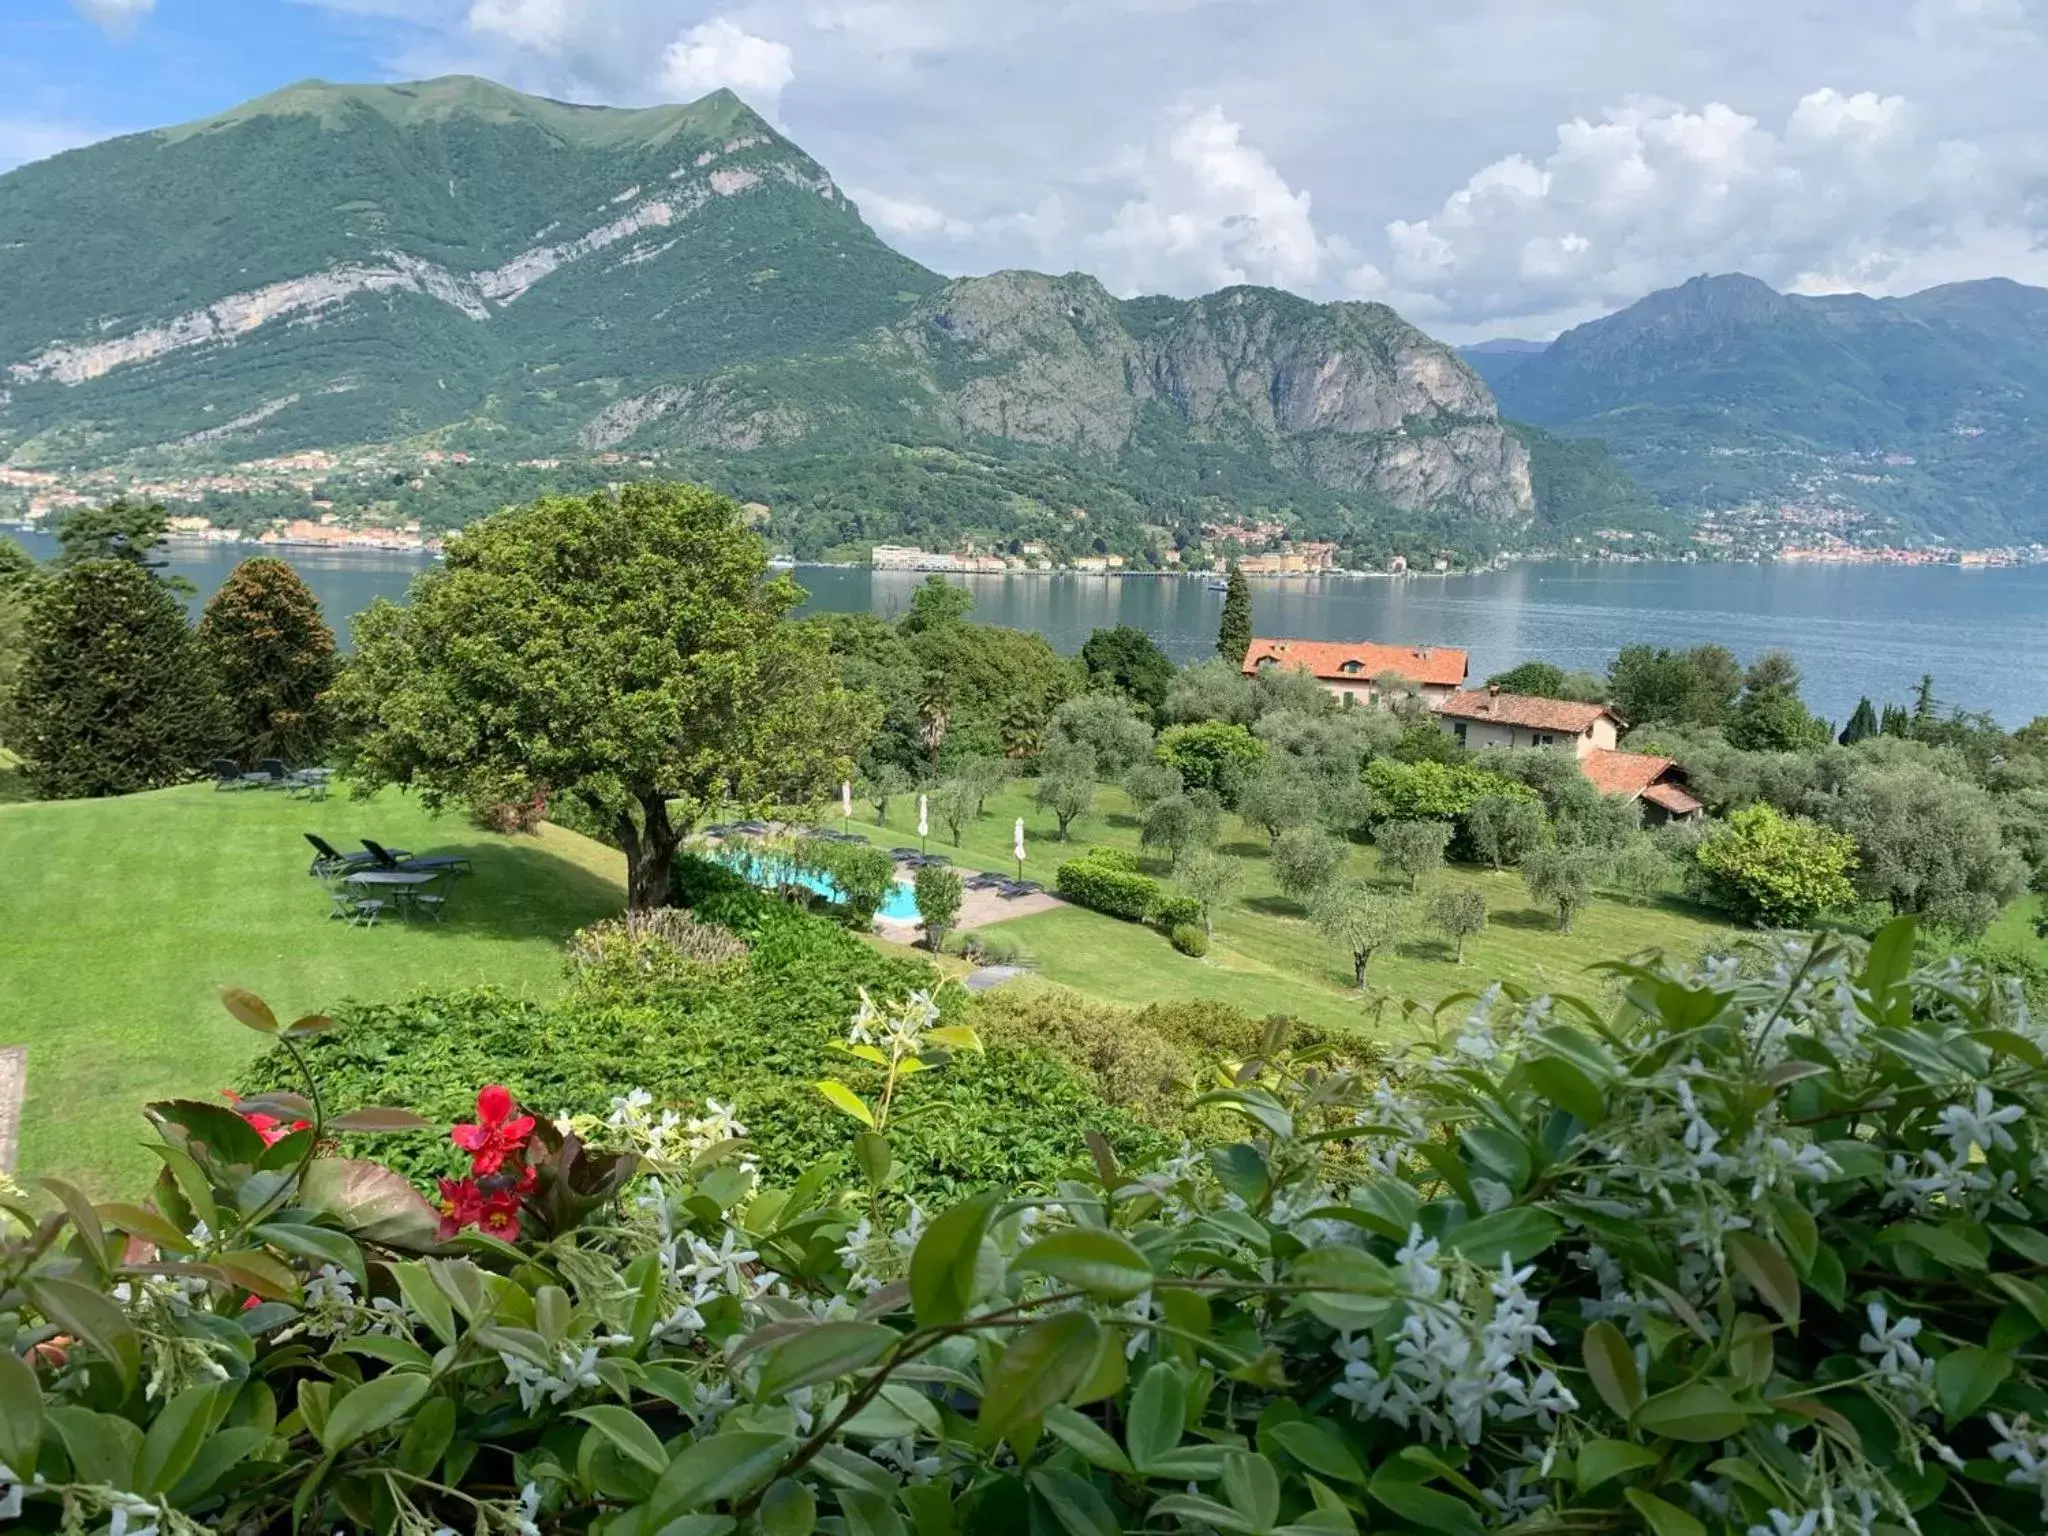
(1854, 629)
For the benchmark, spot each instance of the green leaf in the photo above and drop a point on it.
(844, 1098)
(1964, 1380)
(83, 1217)
(727, 1466)
(629, 1432)
(2027, 1294)
(1568, 1088)
(103, 1449)
(1769, 1273)
(1611, 1364)
(174, 1438)
(1663, 1519)
(871, 1151)
(21, 1414)
(1698, 1412)
(1947, 1244)
(1601, 1461)
(373, 1406)
(1075, 1504)
(426, 1298)
(870, 1513)
(2029, 1243)
(1319, 1447)
(1158, 1415)
(140, 1221)
(1520, 1232)
(1104, 1264)
(426, 1438)
(1888, 963)
(1203, 1512)
(788, 1508)
(1041, 1367)
(320, 1243)
(943, 1265)
(370, 1201)
(1253, 1487)
(820, 1353)
(249, 1009)
(1397, 1486)
(224, 1450)
(86, 1314)
(1087, 1439)
(373, 1118)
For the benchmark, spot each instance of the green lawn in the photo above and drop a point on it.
(118, 918)
(1266, 956)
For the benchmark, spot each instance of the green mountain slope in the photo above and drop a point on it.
(1926, 411)
(452, 263)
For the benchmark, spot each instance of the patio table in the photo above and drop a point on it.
(402, 884)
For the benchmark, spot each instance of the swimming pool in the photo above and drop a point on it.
(900, 906)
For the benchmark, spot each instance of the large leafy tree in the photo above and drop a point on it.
(1695, 687)
(274, 656)
(1127, 659)
(1234, 631)
(114, 694)
(628, 649)
(1929, 842)
(1776, 870)
(121, 530)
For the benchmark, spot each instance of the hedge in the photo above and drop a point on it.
(1101, 886)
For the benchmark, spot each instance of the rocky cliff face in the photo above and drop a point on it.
(1349, 392)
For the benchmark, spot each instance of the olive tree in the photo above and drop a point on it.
(1412, 848)
(1305, 859)
(1066, 784)
(629, 650)
(1149, 783)
(1458, 912)
(1181, 823)
(1563, 878)
(1503, 828)
(1358, 919)
(1211, 878)
(882, 786)
(1279, 798)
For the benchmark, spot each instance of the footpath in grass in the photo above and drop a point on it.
(1266, 957)
(119, 918)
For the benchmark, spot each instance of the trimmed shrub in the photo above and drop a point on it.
(1430, 791)
(1189, 939)
(1102, 886)
(1173, 910)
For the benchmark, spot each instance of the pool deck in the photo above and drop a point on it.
(978, 909)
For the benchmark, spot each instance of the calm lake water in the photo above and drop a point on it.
(1854, 629)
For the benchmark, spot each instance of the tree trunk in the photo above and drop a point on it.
(650, 848)
(1358, 964)
(1461, 949)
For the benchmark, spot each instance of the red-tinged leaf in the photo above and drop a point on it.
(371, 1202)
(373, 1118)
(250, 1010)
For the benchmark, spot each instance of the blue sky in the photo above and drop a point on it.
(1490, 167)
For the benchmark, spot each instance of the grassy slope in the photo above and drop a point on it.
(118, 918)
(1266, 957)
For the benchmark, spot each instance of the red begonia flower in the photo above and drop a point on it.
(462, 1205)
(501, 1219)
(495, 1135)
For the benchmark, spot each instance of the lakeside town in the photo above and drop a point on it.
(227, 505)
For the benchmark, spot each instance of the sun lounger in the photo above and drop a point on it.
(387, 858)
(328, 859)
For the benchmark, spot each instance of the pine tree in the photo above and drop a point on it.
(1924, 705)
(1234, 634)
(1862, 724)
(1896, 721)
(115, 694)
(274, 657)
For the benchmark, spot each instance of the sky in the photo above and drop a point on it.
(1488, 167)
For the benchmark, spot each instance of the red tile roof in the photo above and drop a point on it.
(1624, 773)
(1673, 799)
(1441, 666)
(1525, 710)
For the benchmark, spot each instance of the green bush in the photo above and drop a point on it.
(1213, 756)
(1776, 870)
(756, 1040)
(1190, 940)
(1173, 910)
(1431, 791)
(1102, 886)
(1759, 1251)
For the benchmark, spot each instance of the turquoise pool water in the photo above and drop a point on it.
(901, 904)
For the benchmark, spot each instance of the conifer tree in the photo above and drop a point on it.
(115, 694)
(1862, 724)
(274, 657)
(1234, 634)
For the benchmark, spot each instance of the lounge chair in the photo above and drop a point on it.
(330, 860)
(985, 882)
(905, 854)
(387, 858)
(227, 774)
(271, 773)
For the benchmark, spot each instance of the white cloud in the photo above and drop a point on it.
(909, 217)
(545, 26)
(117, 18)
(1847, 193)
(1212, 210)
(719, 53)
(26, 139)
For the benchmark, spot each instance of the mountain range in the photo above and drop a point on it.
(1927, 414)
(453, 265)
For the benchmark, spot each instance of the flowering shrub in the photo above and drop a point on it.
(1757, 1253)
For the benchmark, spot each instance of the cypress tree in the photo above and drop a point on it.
(1234, 634)
(1896, 721)
(1862, 724)
(115, 694)
(274, 658)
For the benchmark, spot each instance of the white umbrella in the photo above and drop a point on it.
(846, 798)
(1020, 842)
(923, 821)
